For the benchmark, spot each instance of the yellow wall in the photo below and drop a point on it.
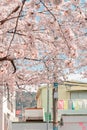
(39, 103)
(42, 96)
(63, 93)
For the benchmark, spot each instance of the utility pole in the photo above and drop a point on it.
(47, 106)
(55, 106)
(55, 96)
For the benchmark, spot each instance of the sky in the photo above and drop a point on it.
(77, 77)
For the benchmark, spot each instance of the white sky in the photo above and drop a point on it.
(77, 77)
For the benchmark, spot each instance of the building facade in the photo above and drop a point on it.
(72, 98)
(7, 107)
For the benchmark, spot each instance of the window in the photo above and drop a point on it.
(79, 95)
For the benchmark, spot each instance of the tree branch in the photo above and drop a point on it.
(55, 19)
(16, 33)
(23, 2)
(13, 11)
(13, 64)
(9, 59)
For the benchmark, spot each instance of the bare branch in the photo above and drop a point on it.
(23, 2)
(15, 10)
(18, 85)
(6, 58)
(55, 19)
(12, 62)
(18, 33)
(6, 19)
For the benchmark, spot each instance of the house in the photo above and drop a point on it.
(41, 98)
(7, 107)
(72, 98)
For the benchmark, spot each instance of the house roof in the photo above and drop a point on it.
(75, 83)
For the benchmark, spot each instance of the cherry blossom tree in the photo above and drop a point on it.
(41, 40)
